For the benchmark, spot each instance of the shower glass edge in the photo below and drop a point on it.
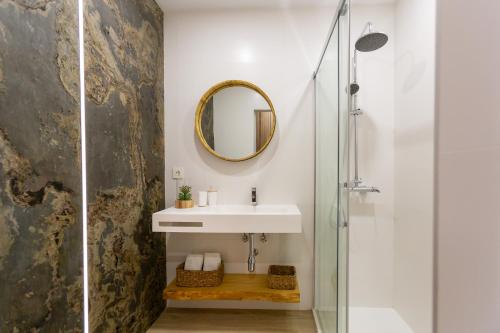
(333, 103)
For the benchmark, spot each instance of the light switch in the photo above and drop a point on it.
(177, 173)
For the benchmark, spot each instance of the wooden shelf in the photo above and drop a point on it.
(236, 287)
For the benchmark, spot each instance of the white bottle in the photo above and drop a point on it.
(202, 198)
(212, 197)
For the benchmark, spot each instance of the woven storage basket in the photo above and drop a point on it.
(199, 278)
(281, 277)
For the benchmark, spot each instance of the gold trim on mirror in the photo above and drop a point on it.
(201, 107)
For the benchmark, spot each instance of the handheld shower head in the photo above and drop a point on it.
(371, 40)
(353, 88)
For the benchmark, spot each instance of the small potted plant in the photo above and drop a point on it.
(184, 198)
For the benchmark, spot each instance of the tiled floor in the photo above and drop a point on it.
(232, 320)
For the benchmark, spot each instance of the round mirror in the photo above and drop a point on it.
(235, 120)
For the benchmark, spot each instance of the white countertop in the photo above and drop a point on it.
(230, 219)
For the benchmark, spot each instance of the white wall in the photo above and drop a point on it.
(468, 167)
(391, 234)
(371, 215)
(277, 50)
(414, 158)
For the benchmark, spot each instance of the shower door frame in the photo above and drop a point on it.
(343, 8)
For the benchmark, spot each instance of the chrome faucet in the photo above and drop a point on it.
(254, 196)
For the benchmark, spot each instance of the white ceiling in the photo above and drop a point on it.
(241, 4)
(174, 5)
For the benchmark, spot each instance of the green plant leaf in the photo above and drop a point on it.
(184, 193)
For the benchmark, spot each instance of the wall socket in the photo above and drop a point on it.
(177, 173)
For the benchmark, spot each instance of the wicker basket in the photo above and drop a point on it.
(196, 279)
(281, 277)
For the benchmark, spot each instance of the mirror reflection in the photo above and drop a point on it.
(236, 122)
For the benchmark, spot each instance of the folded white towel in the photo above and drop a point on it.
(211, 261)
(194, 262)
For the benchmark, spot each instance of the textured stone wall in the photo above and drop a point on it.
(124, 107)
(40, 192)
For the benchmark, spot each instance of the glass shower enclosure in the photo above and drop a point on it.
(332, 173)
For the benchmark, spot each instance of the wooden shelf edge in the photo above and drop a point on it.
(236, 287)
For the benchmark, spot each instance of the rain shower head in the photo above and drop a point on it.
(371, 40)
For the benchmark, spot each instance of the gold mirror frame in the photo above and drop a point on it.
(201, 107)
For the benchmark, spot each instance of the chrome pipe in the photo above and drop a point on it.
(368, 26)
(355, 67)
(253, 252)
(356, 168)
(355, 112)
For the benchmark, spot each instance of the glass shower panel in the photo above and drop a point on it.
(332, 164)
(326, 205)
(344, 108)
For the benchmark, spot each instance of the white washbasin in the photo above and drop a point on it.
(230, 219)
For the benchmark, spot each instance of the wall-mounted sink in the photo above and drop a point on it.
(230, 219)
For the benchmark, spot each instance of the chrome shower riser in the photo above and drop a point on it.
(367, 42)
